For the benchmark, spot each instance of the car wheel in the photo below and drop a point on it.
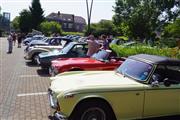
(92, 111)
(26, 43)
(34, 59)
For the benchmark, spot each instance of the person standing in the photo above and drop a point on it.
(10, 43)
(105, 42)
(14, 38)
(93, 45)
(19, 40)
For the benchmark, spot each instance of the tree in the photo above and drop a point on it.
(173, 29)
(37, 14)
(15, 23)
(49, 28)
(142, 17)
(103, 27)
(25, 23)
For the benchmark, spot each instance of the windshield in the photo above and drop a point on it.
(67, 48)
(135, 69)
(101, 55)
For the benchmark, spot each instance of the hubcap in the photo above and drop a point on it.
(94, 114)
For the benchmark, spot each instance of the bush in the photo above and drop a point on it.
(72, 33)
(124, 51)
(48, 28)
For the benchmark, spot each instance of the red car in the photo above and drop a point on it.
(99, 61)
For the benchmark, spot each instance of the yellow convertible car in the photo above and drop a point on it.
(144, 86)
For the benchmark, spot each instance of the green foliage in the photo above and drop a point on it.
(37, 14)
(125, 51)
(122, 38)
(72, 33)
(25, 23)
(15, 23)
(103, 27)
(139, 18)
(173, 29)
(48, 28)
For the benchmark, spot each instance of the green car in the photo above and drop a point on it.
(73, 49)
(144, 86)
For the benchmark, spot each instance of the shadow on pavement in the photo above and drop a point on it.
(43, 73)
(31, 64)
(52, 118)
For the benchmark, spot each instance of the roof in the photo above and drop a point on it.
(79, 19)
(66, 17)
(154, 59)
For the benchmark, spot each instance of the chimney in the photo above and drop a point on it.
(59, 13)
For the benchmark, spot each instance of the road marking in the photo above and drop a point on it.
(32, 94)
(25, 76)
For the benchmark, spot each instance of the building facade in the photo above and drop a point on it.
(69, 22)
(5, 22)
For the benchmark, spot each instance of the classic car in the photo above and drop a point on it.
(73, 49)
(50, 41)
(101, 60)
(144, 86)
(35, 37)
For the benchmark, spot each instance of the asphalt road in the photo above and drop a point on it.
(23, 87)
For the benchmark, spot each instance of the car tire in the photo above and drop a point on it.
(26, 43)
(92, 111)
(34, 58)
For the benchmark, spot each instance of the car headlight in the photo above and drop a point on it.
(30, 48)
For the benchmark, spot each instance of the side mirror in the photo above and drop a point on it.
(167, 82)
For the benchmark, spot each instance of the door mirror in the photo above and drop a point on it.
(167, 82)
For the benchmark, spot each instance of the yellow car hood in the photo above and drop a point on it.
(92, 80)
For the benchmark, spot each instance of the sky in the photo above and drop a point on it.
(102, 9)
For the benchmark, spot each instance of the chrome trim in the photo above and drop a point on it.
(53, 103)
(38, 62)
(59, 116)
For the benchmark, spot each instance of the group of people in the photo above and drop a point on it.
(12, 38)
(95, 44)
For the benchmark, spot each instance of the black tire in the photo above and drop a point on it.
(92, 111)
(34, 58)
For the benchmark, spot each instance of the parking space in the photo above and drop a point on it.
(23, 87)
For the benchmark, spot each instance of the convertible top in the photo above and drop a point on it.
(154, 59)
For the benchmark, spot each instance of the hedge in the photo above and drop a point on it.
(125, 51)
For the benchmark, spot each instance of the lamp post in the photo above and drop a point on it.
(89, 11)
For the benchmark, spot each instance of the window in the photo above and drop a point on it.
(70, 25)
(65, 25)
(77, 27)
(80, 50)
(173, 72)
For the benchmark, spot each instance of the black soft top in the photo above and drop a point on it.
(154, 59)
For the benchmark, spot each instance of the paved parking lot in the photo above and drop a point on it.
(23, 87)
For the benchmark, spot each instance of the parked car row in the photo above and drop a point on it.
(106, 87)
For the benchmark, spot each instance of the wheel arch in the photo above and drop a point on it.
(99, 99)
(37, 51)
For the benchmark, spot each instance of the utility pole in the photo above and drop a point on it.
(89, 11)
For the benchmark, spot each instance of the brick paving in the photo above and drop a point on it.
(18, 78)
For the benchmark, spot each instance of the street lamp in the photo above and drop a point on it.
(89, 14)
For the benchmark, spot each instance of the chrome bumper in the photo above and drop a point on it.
(59, 116)
(53, 71)
(38, 61)
(53, 102)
